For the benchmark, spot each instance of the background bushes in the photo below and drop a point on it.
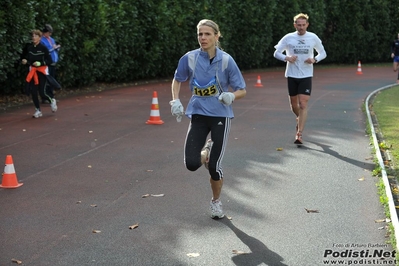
(123, 41)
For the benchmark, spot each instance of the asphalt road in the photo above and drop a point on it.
(85, 169)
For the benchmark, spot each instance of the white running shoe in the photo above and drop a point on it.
(216, 209)
(206, 153)
(37, 114)
(54, 105)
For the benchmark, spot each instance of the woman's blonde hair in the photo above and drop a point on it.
(36, 32)
(213, 25)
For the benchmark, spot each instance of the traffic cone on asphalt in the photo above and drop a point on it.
(258, 83)
(155, 118)
(9, 176)
(359, 68)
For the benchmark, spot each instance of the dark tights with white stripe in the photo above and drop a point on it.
(198, 130)
(40, 88)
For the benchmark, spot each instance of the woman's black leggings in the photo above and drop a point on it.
(40, 88)
(196, 138)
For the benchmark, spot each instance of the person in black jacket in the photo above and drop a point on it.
(395, 55)
(38, 58)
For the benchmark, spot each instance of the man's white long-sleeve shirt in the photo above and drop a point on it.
(303, 47)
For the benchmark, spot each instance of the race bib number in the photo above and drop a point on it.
(205, 92)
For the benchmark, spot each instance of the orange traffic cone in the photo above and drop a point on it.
(258, 83)
(359, 68)
(9, 175)
(155, 118)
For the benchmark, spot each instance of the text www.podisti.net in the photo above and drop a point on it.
(359, 257)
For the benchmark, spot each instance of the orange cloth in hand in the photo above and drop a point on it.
(33, 73)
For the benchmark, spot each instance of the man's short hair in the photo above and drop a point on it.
(47, 28)
(301, 15)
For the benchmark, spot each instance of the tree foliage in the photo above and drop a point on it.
(122, 41)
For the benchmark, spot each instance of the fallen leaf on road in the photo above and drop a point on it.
(386, 220)
(16, 261)
(157, 195)
(93, 205)
(229, 217)
(152, 195)
(279, 149)
(193, 255)
(311, 211)
(239, 252)
(96, 231)
(361, 179)
(134, 226)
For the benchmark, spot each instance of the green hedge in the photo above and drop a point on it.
(122, 41)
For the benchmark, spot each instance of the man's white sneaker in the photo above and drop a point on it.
(216, 209)
(37, 114)
(54, 105)
(206, 153)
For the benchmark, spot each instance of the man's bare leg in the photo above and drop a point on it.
(295, 108)
(303, 111)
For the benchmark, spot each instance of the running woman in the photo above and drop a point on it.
(210, 73)
(38, 58)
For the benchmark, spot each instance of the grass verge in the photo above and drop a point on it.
(386, 111)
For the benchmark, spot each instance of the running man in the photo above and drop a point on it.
(299, 49)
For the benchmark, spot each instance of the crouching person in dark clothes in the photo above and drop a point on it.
(38, 58)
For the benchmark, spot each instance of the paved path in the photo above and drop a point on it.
(86, 168)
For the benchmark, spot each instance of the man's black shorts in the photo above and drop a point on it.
(299, 86)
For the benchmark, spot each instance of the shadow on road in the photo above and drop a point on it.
(327, 149)
(259, 252)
